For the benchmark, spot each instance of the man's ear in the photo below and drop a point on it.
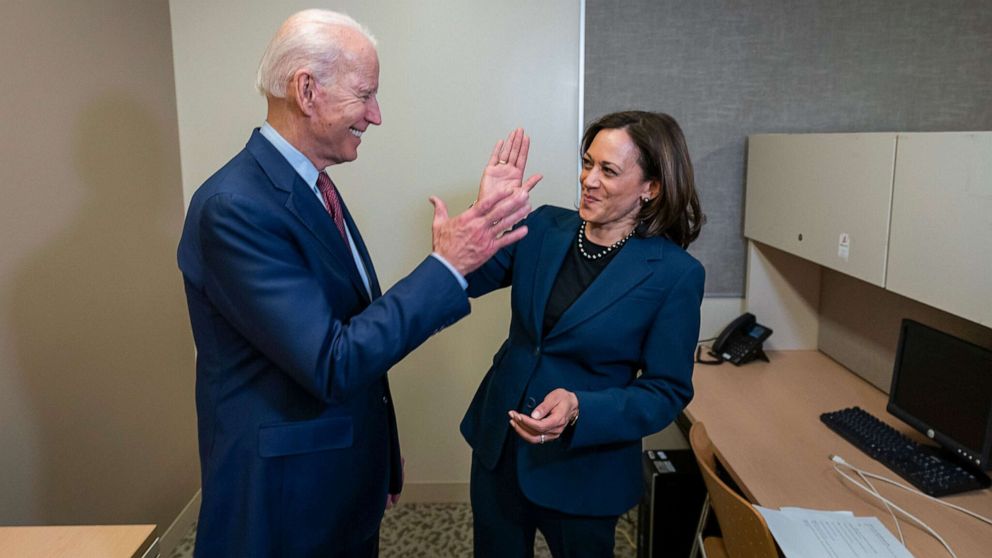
(304, 90)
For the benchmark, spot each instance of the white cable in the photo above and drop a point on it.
(875, 492)
(904, 512)
(982, 518)
(925, 495)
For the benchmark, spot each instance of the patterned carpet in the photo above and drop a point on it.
(442, 531)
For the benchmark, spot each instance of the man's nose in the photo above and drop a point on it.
(373, 114)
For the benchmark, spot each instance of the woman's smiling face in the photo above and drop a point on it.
(612, 180)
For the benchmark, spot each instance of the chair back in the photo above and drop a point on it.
(745, 533)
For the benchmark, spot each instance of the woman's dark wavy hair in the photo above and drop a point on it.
(674, 213)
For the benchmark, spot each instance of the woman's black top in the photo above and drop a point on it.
(575, 275)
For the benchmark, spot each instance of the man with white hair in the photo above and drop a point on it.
(297, 433)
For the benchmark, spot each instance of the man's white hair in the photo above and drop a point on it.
(303, 41)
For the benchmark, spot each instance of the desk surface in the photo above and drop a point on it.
(764, 420)
(78, 541)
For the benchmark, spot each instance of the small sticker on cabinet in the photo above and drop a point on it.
(843, 246)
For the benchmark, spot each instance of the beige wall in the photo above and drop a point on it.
(859, 325)
(96, 359)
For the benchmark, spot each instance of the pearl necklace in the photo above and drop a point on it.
(610, 248)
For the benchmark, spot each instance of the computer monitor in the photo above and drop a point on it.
(942, 386)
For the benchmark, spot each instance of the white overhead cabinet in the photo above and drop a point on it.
(940, 246)
(910, 212)
(823, 197)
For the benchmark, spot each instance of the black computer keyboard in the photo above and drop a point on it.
(921, 465)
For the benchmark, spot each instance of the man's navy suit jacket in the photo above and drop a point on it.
(297, 433)
(641, 314)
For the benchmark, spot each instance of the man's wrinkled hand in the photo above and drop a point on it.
(470, 239)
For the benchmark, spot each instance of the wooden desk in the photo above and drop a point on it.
(79, 541)
(764, 420)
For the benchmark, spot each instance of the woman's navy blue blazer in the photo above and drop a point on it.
(624, 347)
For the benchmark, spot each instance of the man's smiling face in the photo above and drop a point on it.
(348, 106)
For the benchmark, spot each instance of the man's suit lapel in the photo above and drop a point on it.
(363, 252)
(303, 204)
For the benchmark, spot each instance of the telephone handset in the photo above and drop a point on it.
(741, 340)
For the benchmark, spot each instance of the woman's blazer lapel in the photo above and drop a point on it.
(554, 246)
(628, 269)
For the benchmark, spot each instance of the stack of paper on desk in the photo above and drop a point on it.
(831, 534)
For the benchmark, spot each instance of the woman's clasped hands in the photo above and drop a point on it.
(548, 420)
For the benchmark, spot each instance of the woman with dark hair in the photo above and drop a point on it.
(605, 317)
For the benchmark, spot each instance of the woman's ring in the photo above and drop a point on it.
(496, 221)
(501, 163)
(542, 438)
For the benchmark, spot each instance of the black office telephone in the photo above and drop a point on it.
(740, 342)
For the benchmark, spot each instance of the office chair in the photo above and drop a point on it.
(744, 531)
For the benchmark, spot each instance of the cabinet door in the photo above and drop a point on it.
(940, 250)
(823, 197)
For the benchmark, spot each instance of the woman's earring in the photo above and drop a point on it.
(645, 201)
